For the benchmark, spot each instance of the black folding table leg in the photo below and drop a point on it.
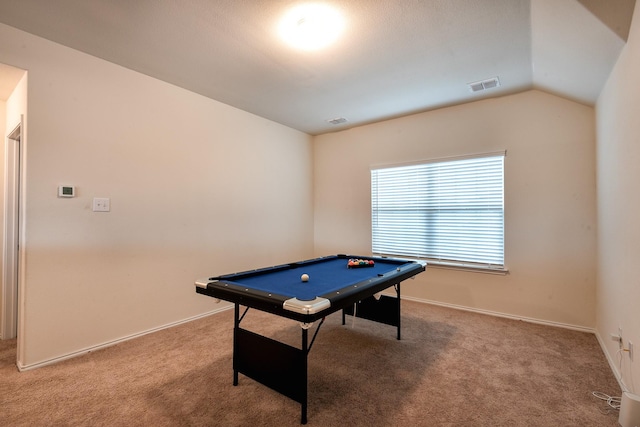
(236, 325)
(303, 415)
(399, 316)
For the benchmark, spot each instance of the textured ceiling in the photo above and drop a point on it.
(395, 58)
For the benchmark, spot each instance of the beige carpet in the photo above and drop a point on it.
(451, 368)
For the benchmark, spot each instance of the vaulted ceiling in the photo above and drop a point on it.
(394, 58)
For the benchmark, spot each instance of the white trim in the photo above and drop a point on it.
(487, 269)
(504, 315)
(465, 266)
(22, 239)
(11, 244)
(376, 166)
(86, 350)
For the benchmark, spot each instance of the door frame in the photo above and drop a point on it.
(11, 241)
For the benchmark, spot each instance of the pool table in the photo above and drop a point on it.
(332, 285)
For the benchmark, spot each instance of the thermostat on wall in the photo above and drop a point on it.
(66, 191)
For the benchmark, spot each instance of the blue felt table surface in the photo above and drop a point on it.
(330, 275)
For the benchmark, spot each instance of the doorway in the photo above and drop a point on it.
(9, 308)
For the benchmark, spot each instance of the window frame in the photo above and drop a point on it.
(456, 264)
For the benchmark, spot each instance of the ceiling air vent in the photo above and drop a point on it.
(337, 120)
(484, 84)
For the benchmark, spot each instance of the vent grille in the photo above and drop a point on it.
(484, 84)
(337, 120)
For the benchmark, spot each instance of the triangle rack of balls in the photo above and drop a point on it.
(358, 263)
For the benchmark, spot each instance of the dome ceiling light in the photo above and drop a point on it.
(311, 26)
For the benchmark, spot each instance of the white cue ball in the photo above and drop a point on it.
(304, 277)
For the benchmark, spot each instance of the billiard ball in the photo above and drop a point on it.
(304, 277)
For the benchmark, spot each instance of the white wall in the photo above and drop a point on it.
(197, 188)
(618, 124)
(550, 206)
(191, 181)
(17, 105)
(3, 135)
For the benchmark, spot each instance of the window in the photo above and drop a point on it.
(450, 212)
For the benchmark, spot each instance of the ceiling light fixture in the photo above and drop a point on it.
(311, 26)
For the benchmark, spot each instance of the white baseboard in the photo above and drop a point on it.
(505, 315)
(424, 301)
(86, 350)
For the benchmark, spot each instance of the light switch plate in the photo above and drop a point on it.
(101, 204)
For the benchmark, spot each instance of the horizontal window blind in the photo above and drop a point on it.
(449, 210)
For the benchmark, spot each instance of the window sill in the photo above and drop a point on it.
(478, 268)
(452, 265)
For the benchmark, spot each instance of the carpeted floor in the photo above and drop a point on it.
(451, 368)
